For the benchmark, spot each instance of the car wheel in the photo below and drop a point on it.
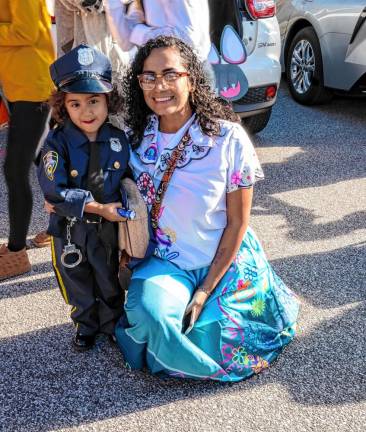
(256, 123)
(304, 69)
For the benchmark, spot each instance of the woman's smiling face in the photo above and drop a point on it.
(169, 100)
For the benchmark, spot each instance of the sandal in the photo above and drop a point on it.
(42, 239)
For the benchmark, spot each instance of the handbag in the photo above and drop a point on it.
(133, 235)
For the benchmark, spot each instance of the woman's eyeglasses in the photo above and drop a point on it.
(148, 80)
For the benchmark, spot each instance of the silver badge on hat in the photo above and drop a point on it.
(115, 144)
(85, 56)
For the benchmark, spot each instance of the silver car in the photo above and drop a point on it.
(323, 47)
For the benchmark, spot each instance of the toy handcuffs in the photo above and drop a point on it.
(70, 248)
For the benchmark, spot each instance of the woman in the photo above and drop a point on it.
(207, 304)
(26, 51)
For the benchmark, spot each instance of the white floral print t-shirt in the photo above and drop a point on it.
(193, 212)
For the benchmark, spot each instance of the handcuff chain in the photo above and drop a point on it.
(70, 248)
(70, 224)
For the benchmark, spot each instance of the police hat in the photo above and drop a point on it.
(82, 70)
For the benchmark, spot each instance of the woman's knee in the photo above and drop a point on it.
(145, 306)
(138, 315)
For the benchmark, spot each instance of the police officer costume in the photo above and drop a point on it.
(73, 172)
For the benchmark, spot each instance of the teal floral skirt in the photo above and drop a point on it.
(244, 325)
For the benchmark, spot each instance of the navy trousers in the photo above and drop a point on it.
(91, 288)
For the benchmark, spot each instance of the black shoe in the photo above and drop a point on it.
(83, 342)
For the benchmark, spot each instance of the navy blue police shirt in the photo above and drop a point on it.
(63, 170)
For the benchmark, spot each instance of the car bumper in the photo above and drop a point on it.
(251, 110)
(254, 102)
(261, 72)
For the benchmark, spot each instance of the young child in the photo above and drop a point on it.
(82, 163)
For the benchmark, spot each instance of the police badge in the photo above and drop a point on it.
(85, 56)
(50, 160)
(116, 145)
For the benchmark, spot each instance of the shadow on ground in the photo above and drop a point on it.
(332, 143)
(19, 289)
(49, 386)
(326, 367)
(327, 280)
(53, 387)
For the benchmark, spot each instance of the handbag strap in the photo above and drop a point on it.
(171, 165)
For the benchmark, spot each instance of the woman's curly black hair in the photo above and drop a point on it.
(59, 113)
(208, 107)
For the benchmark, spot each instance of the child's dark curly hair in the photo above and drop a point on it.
(208, 107)
(58, 110)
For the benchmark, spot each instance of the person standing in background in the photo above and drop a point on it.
(134, 22)
(64, 17)
(84, 22)
(26, 51)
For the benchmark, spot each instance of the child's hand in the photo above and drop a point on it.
(49, 207)
(109, 212)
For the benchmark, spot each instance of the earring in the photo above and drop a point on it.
(192, 98)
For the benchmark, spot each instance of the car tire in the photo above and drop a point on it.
(304, 69)
(256, 123)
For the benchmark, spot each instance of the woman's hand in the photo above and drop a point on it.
(49, 207)
(195, 307)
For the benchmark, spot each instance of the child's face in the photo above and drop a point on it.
(87, 111)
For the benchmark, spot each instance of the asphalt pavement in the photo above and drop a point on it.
(309, 213)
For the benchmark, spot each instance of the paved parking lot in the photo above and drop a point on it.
(310, 215)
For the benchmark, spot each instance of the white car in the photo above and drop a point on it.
(246, 57)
